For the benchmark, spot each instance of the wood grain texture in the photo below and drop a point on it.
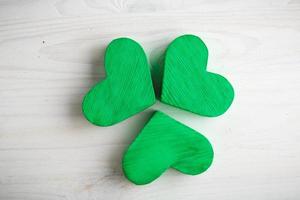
(50, 53)
(186, 83)
(162, 144)
(127, 89)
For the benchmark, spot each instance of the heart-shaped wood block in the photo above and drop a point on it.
(166, 143)
(127, 88)
(186, 82)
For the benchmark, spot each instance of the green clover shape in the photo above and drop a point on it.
(127, 90)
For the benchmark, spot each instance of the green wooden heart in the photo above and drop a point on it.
(165, 143)
(127, 88)
(187, 84)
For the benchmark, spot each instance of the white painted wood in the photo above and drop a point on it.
(51, 52)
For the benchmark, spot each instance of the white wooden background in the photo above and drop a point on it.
(51, 52)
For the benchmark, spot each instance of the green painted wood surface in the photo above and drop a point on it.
(127, 89)
(186, 82)
(164, 143)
